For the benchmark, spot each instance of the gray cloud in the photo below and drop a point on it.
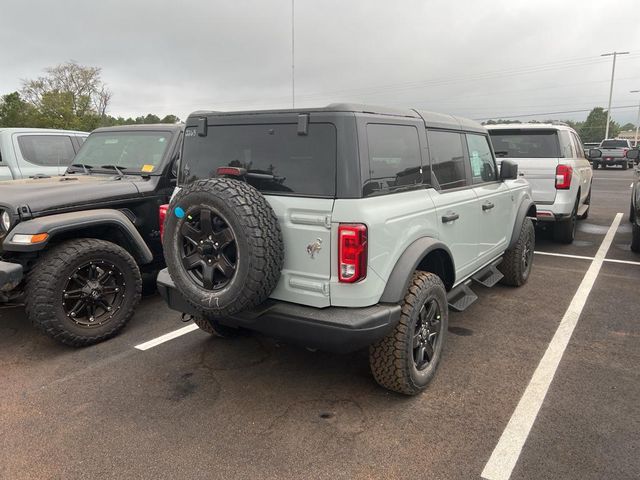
(478, 59)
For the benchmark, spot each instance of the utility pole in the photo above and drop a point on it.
(613, 72)
(637, 120)
(293, 51)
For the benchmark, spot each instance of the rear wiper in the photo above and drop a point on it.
(86, 168)
(116, 168)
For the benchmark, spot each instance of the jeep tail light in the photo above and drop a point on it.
(563, 177)
(162, 215)
(231, 172)
(352, 252)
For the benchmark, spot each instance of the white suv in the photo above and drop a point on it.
(551, 158)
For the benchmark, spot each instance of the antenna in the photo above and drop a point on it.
(293, 50)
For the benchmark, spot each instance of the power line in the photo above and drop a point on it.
(538, 114)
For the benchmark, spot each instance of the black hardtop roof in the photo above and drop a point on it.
(169, 127)
(431, 119)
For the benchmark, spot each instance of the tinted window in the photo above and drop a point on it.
(483, 166)
(394, 158)
(280, 160)
(447, 159)
(614, 144)
(134, 151)
(518, 143)
(46, 150)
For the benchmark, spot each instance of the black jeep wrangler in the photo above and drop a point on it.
(73, 247)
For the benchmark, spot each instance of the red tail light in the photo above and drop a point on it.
(231, 171)
(563, 177)
(162, 215)
(352, 252)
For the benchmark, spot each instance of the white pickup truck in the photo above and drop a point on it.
(614, 152)
(32, 152)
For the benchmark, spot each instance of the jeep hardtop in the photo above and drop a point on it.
(73, 247)
(343, 227)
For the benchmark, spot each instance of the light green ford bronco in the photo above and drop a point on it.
(343, 227)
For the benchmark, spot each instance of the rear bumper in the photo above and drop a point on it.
(334, 329)
(10, 276)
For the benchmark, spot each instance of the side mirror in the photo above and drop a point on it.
(508, 170)
(633, 154)
(594, 153)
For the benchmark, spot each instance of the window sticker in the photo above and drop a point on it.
(147, 168)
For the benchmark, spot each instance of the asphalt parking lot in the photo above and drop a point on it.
(201, 407)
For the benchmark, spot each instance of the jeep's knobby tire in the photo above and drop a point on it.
(258, 249)
(635, 237)
(47, 280)
(565, 230)
(392, 359)
(214, 328)
(517, 260)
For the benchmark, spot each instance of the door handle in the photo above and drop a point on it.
(487, 206)
(450, 217)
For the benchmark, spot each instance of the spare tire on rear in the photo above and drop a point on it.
(223, 246)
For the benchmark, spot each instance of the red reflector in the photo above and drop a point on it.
(352, 252)
(544, 214)
(563, 177)
(231, 171)
(162, 215)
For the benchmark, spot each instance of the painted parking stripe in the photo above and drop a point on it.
(166, 337)
(580, 257)
(504, 457)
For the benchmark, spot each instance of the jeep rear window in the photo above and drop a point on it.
(287, 162)
(520, 143)
(614, 144)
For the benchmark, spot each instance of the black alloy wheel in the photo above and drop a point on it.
(209, 250)
(427, 334)
(94, 293)
(527, 256)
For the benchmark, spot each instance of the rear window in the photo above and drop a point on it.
(47, 150)
(282, 161)
(518, 143)
(614, 144)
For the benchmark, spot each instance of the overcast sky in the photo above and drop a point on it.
(479, 59)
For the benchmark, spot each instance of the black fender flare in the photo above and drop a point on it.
(74, 221)
(525, 205)
(398, 281)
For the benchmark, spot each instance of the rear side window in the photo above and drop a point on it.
(280, 160)
(483, 166)
(447, 159)
(46, 150)
(520, 143)
(394, 158)
(614, 144)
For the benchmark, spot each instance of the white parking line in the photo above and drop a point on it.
(580, 257)
(507, 451)
(166, 337)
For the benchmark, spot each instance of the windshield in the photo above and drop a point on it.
(518, 143)
(614, 144)
(130, 151)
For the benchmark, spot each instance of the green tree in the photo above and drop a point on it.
(15, 112)
(627, 126)
(594, 127)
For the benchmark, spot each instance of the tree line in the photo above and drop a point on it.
(69, 96)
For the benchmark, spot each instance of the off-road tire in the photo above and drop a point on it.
(214, 328)
(391, 359)
(258, 242)
(632, 213)
(515, 271)
(635, 237)
(48, 276)
(565, 230)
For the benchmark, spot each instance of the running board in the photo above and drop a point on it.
(461, 297)
(582, 210)
(489, 276)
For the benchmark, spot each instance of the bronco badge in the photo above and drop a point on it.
(314, 248)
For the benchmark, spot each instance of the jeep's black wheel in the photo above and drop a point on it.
(83, 291)
(565, 230)
(214, 328)
(635, 237)
(223, 246)
(406, 359)
(517, 261)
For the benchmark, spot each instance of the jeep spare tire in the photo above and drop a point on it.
(223, 246)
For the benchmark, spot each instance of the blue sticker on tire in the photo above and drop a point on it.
(178, 212)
